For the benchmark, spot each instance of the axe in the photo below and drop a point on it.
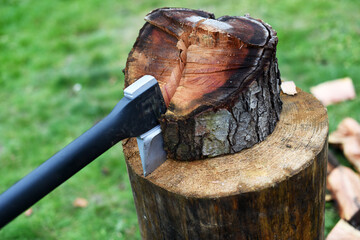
(136, 115)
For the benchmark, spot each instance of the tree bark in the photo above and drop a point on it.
(273, 190)
(219, 77)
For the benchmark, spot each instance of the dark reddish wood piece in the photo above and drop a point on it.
(219, 78)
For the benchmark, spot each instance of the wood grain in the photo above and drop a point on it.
(219, 77)
(274, 190)
(344, 185)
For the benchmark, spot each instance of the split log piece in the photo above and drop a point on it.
(219, 77)
(343, 231)
(344, 185)
(334, 91)
(347, 137)
(273, 190)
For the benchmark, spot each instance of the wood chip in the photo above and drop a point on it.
(80, 203)
(328, 197)
(344, 185)
(334, 91)
(28, 212)
(288, 87)
(347, 137)
(343, 231)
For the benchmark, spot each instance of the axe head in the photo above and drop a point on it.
(151, 148)
(150, 143)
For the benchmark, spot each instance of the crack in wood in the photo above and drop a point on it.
(219, 82)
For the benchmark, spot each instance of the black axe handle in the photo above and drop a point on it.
(129, 118)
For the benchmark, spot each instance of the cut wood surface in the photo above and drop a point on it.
(343, 231)
(219, 78)
(273, 190)
(344, 185)
(347, 137)
(288, 87)
(334, 91)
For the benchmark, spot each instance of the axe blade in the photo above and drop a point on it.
(150, 143)
(151, 148)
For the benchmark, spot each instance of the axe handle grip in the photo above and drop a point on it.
(129, 118)
(58, 169)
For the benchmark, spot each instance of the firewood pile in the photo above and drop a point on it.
(343, 183)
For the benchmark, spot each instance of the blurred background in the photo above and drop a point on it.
(61, 71)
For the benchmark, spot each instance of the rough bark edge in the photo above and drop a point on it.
(249, 119)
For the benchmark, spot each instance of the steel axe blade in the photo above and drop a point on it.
(150, 144)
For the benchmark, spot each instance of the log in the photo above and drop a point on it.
(343, 231)
(219, 78)
(273, 190)
(347, 138)
(344, 185)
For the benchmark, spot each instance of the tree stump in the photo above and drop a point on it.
(219, 78)
(273, 190)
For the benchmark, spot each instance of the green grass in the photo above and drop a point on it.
(46, 47)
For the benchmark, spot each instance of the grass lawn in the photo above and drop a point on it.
(49, 49)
